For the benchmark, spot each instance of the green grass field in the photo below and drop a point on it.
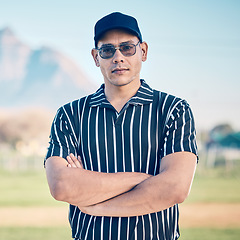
(25, 189)
(209, 234)
(30, 189)
(217, 188)
(36, 233)
(57, 233)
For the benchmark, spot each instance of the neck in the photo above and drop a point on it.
(118, 96)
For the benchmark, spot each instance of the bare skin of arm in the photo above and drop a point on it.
(69, 182)
(169, 187)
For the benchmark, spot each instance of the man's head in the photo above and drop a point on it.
(119, 50)
(116, 20)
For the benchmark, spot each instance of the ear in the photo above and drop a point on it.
(94, 53)
(144, 48)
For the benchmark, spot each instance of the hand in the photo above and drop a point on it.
(74, 162)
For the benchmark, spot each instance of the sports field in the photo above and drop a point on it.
(27, 210)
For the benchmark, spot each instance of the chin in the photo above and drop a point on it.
(120, 81)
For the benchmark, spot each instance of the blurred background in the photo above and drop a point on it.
(45, 61)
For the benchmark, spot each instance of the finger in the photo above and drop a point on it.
(75, 160)
(80, 161)
(71, 163)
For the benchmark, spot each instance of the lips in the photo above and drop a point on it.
(119, 70)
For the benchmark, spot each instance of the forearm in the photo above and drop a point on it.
(96, 187)
(169, 187)
(147, 197)
(82, 187)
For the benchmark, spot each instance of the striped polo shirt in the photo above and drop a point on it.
(151, 125)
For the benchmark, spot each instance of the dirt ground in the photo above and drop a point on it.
(191, 215)
(209, 215)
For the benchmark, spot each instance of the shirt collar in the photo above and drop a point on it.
(144, 95)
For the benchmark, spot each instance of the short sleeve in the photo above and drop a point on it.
(180, 134)
(62, 141)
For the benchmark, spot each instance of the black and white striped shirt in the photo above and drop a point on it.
(151, 125)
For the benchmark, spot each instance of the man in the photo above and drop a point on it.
(125, 156)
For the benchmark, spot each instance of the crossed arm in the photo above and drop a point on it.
(125, 193)
(69, 182)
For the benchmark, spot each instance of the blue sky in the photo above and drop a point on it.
(194, 46)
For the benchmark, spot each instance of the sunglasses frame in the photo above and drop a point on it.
(117, 48)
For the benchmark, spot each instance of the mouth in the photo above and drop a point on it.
(120, 70)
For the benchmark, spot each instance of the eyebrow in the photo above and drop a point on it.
(122, 43)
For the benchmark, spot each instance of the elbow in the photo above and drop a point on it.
(180, 198)
(181, 195)
(57, 195)
(56, 182)
(58, 192)
(181, 191)
(58, 187)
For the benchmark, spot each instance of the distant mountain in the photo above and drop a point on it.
(41, 77)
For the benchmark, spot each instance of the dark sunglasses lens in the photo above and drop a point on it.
(107, 52)
(128, 50)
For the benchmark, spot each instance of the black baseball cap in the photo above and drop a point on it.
(116, 20)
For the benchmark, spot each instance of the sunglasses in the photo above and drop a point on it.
(127, 49)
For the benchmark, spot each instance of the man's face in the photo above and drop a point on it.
(120, 70)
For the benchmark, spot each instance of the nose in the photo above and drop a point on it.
(118, 57)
